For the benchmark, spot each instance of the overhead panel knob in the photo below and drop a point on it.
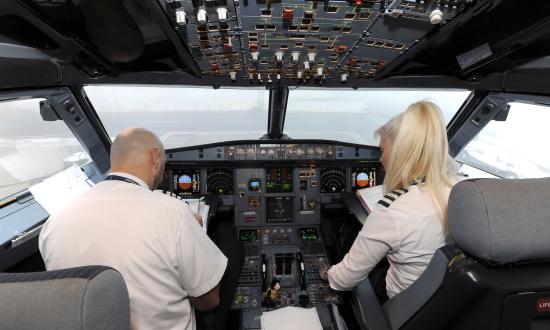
(436, 16)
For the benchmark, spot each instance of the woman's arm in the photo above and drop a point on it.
(379, 235)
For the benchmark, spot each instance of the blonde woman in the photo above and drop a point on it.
(409, 224)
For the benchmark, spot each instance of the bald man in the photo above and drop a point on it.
(169, 264)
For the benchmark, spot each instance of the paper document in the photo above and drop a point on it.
(199, 207)
(370, 196)
(291, 318)
(58, 190)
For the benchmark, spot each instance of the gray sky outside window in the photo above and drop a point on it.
(354, 115)
(187, 116)
(32, 149)
(183, 116)
(515, 148)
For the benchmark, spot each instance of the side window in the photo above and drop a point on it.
(515, 148)
(32, 149)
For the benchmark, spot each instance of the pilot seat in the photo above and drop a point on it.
(495, 276)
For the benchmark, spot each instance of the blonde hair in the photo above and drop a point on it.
(419, 152)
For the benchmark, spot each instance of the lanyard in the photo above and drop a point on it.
(121, 178)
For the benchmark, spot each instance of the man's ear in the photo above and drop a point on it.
(155, 158)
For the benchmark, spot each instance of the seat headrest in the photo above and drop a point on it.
(501, 220)
(89, 297)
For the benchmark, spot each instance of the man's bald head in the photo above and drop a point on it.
(139, 152)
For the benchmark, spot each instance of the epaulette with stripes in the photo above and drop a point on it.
(392, 196)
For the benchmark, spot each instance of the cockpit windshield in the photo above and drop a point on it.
(187, 116)
(354, 115)
(183, 116)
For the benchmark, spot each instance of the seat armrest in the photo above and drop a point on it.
(367, 309)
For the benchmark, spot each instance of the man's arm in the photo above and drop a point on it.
(207, 301)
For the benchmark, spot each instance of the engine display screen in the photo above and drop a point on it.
(249, 235)
(279, 209)
(309, 234)
(279, 179)
(187, 181)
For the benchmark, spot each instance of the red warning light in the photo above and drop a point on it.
(288, 14)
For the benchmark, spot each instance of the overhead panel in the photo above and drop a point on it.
(268, 41)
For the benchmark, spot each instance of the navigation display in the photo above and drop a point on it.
(279, 179)
(279, 210)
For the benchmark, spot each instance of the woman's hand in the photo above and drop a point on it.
(323, 269)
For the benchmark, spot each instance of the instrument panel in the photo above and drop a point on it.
(271, 195)
(276, 193)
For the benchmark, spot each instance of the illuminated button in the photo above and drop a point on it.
(320, 72)
(201, 16)
(222, 14)
(343, 78)
(181, 16)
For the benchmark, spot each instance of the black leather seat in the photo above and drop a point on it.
(495, 276)
(90, 297)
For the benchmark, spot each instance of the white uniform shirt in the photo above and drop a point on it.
(407, 231)
(152, 239)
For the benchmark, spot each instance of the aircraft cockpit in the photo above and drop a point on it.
(268, 112)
